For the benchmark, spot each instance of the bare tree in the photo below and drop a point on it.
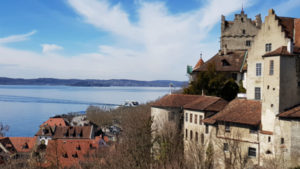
(3, 129)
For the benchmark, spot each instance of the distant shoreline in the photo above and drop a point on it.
(90, 82)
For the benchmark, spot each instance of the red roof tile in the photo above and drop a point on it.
(281, 51)
(175, 100)
(23, 144)
(287, 24)
(232, 62)
(70, 152)
(54, 122)
(207, 103)
(292, 113)
(240, 111)
(199, 64)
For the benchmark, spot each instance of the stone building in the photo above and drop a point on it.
(236, 38)
(239, 33)
(264, 127)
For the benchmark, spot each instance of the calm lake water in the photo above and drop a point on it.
(24, 108)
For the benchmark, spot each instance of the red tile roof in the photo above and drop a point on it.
(175, 100)
(287, 24)
(281, 51)
(207, 103)
(292, 113)
(239, 111)
(199, 64)
(23, 144)
(54, 122)
(233, 58)
(46, 131)
(297, 32)
(70, 152)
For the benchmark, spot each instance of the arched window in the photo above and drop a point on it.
(191, 134)
(202, 138)
(196, 137)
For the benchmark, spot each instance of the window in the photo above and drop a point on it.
(225, 147)
(248, 43)
(196, 137)
(253, 130)
(227, 127)
(225, 63)
(269, 139)
(196, 118)
(202, 138)
(191, 134)
(201, 120)
(186, 133)
(191, 118)
(242, 19)
(258, 69)
(251, 152)
(206, 129)
(282, 141)
(271, 71)
(244, 31)
(257, 93)
(171, 116)
(268, 47)
(186, 117)
(234, 76)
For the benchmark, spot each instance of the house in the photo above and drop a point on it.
(23, 144)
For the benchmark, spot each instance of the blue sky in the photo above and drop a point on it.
(105, 39)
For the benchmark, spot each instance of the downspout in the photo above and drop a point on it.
(244, 60)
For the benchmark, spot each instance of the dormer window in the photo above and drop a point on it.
(75, 155)
(25, 146)
(225, 63)
(78, 147)
(65, 155)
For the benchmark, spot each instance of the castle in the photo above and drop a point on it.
(260, 129)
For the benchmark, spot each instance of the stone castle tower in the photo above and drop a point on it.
(238, 34)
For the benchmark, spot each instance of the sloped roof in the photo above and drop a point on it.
(54, 122)
(239, 111)
(297, 32)
(78, 132)
(281, 51)
(291, 113)
(70, 152)
(199, 63)
(207, 103)
(8, 146)
(233, 58)
(175, 100)
(46, 131)
(23, 144)
(287, 24)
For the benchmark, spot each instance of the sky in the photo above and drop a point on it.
(117, 39)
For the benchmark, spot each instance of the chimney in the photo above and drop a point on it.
(258, 20)
(290, 46)
(271, 12)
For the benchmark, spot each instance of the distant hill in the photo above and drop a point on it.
(90, 82)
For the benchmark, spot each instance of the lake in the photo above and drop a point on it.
(24, 108)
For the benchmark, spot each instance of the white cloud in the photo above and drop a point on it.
(47, 48)
(17, 38)
(158, 45)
